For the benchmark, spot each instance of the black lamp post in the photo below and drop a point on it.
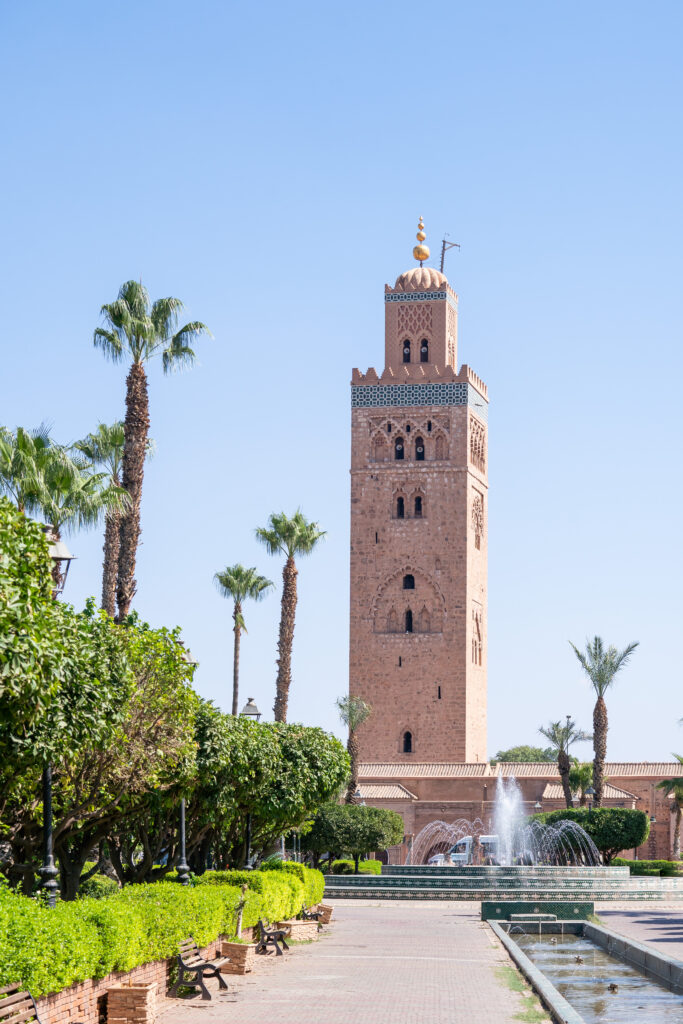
(59, 553)
(249, 711)
(590, 793)
(538, 807)
(183, 866)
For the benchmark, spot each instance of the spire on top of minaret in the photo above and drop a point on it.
(420, 251)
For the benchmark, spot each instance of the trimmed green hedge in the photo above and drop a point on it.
(347, 867)
(313, 881)
(664, 868)
(49, 950)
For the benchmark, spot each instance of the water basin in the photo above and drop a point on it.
(585, 985)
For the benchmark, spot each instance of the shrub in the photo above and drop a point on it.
(347, 867)
(98, 886)
(313, 881)
(49, 950)
(612, 829)
(666, 868)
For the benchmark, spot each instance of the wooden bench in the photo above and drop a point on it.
(16, 1005)
(270, 937)
(193, 968)
(311, 915)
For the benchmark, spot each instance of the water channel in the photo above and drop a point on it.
(600, 987)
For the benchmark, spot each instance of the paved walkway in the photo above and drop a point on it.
(658, 924)
(395, 962)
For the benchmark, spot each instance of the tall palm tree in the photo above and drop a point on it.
(581, 779)
(137, 329)
(674, 788)
(104, 448)
(561, 735)
(289, 537)
(240, 584)
(601, 665)
(353, 711)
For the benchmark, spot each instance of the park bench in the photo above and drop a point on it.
(17, 1006)
(270, 937)
(311, 915)
(193, 968)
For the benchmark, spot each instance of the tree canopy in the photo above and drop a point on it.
(525, 753)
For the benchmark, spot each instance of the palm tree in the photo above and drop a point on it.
(289, 537)
(581, 779)
(138, 329)
(104, 448)
(674, 788)
(73, 496)
(561, 735)
(240, 584)
(601, 665)
(22, 458)
(353, 711)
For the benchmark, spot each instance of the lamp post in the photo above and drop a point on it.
(590, 793)
(538, 807)
(249, 711)
(183, 867)
(58, 552)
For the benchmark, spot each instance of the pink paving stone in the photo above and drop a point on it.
(388, 962)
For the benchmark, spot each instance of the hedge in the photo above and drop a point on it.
(665, 868)
(348, 867)
(612, 829)
(49, 950)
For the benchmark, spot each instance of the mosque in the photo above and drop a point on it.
(419, 538)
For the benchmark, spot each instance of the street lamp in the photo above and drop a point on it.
(538, 807)
(58, 552)
(250, 710)
(590, 793)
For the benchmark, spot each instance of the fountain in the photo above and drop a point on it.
(510, 840)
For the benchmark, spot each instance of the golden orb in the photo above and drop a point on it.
(421, 253)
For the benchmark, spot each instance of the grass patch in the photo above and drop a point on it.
(531, 1012)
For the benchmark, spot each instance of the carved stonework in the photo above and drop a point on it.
(478, 518)
(477, 444)
(412, 319)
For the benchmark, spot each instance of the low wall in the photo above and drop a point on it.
(86, 1003)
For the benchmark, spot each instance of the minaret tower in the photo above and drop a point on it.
(419, 533)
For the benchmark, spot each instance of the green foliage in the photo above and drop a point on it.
(665, 868)
(313, 881)
(89, 938)
(353, 829)
(98, 886)
(347, 867)
(525, 753)
(612, 829)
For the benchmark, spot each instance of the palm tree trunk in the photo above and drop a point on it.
(352, 747)
(236, 660)
(285, 639)
(136, 429)
(110, 565)
(563, 766)
(600, 727)
(676, 850)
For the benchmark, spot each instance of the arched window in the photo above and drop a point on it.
(380, 450)
(409, 621)
(406, 351)
(425, 623)
(418, 507)
(398, 448)
(407, 742)
(424, 351)
(400, 508)
(409, 582)
(419, 449)
(440, 448)
(392, 621)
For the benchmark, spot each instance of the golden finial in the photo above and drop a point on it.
(421, 252)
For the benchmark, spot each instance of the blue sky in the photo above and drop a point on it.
(267, 164)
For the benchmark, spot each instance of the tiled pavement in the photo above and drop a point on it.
(659, 925)
(378, 963)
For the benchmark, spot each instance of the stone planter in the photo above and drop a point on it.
(326, 912)
(241, 957)
(132, 1004)
(300, 931)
